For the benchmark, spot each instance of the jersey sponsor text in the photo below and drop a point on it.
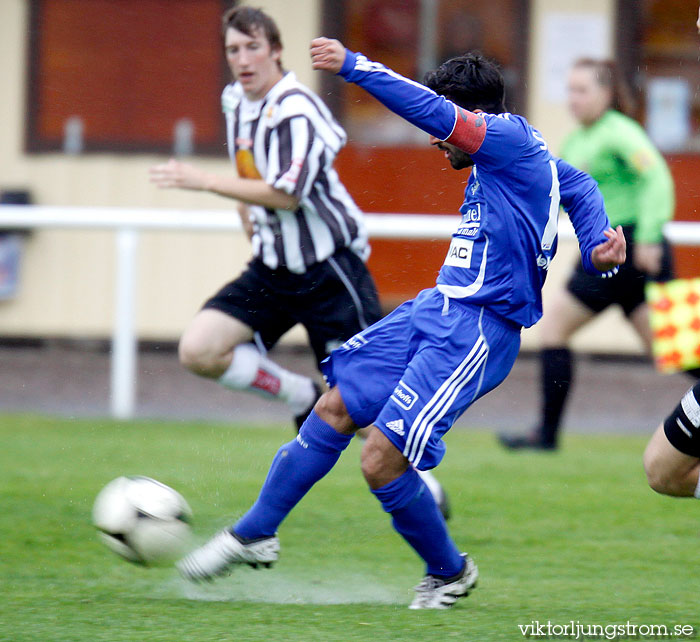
(460, 253)
(404, 396)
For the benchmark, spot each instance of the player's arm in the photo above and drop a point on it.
(175, 173)
(602, 248)
(416, 103)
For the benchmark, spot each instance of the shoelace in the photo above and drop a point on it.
(429, 583)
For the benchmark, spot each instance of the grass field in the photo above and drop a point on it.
(572, 536)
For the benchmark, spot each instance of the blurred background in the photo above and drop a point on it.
(97, 91)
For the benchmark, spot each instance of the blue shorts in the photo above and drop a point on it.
(413, 373)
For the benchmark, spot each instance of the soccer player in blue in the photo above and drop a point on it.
(413, 373)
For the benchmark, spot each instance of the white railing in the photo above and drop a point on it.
(128, 223)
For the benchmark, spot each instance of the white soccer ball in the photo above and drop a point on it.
(142, 520)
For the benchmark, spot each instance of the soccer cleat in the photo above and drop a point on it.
(223, 551)
(437, 593)
(300, 419)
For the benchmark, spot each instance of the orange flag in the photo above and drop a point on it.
(674, 316)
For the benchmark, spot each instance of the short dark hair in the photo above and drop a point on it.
(248, 20)
(472, 81)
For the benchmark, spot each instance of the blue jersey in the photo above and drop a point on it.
(503, 246)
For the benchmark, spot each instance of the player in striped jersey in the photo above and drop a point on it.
(308, 236)
(413, 373)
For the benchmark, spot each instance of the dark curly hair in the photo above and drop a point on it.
(472, 81)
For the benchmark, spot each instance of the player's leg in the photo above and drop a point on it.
(374, 369)
(296, 467)
(568, 315)
(398, 485)
(631, 289)
(417, 518)
(672, 457)
(463, 353)
(586, 295)
(434, 486)
(639, 318)
(217, 344)
(564, 316)
(668, 470)
(299, 464)
(206, 346)
(345, 303)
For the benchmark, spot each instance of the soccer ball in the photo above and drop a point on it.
(142, 520)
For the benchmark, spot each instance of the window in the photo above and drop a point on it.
(659, 47)
(414, 36)
(124, 75)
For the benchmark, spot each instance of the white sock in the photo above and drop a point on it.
(433, 485)
(250, 370)
(697, 490)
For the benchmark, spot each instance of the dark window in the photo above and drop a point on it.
(659, 47)
(414, 36)
(125, 73)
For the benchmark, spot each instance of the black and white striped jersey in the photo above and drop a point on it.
(290, 140)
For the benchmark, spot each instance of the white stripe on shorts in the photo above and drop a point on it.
(691, 408)
(441, 401)
(448, 404)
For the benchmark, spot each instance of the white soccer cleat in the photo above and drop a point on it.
(223, 551)
(436, 593)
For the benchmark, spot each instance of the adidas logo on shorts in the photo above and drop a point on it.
(396, 426)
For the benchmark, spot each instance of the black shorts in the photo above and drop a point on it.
(333, 300)
(682, 425)
(626, 288)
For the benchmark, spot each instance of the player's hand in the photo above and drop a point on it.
(647, 258)
(327, 54)
(610, 253)
(175, 173)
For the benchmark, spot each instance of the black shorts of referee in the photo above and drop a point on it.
(626, 288)
(333, 300)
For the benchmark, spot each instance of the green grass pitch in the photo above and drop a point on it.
(558, 537)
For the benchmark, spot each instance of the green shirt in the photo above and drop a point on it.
(632, 175)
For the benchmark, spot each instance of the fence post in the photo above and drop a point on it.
(124, 340)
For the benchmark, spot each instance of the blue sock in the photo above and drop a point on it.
(418, 520)
(297, 466)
